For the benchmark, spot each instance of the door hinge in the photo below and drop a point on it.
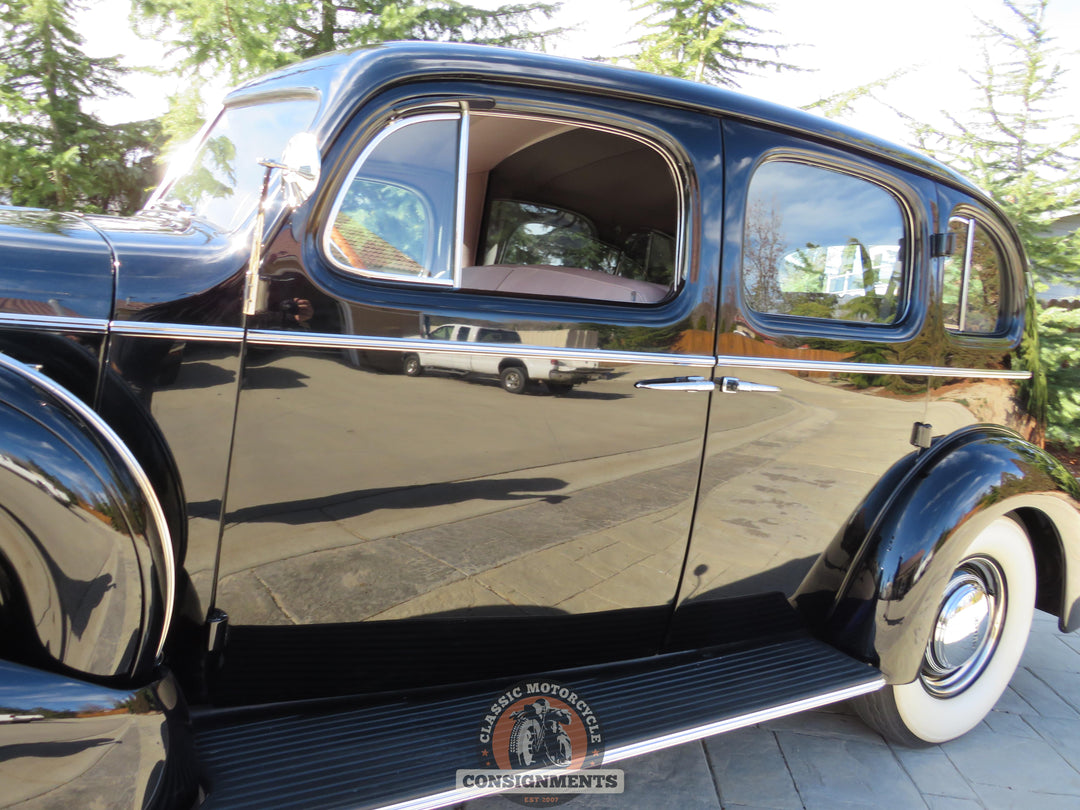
(217, 624)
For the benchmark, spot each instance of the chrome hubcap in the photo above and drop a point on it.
(968, 626)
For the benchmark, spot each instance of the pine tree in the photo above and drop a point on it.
(705, 41)
(1029, 161)
(53, 154)
(245, 37)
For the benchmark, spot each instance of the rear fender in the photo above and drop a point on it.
(874, 593)
(83, 540)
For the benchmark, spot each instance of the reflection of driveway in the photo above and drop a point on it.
(784, 471)
(93, 759)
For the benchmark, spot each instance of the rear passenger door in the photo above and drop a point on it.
(825, 292)
(434, 528)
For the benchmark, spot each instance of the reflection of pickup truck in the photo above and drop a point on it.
(514, 373)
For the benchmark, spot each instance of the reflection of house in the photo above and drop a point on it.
(846, 268)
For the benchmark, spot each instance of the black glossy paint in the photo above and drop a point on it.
(869, 590)
(82, 559)
(55, 265)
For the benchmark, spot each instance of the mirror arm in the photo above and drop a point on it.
(254, 291)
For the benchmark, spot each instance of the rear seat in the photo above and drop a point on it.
(568, 282)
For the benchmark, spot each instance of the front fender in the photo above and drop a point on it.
(875, 592)
(86, 562)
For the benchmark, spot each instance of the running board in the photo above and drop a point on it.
(405, 753)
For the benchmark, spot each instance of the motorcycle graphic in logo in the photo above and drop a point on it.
(540, 742)
(539, 738)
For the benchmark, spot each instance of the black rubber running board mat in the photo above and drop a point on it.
(390, 753)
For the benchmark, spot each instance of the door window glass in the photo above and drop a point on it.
(820, 243)
(971, 289)
(395, 217)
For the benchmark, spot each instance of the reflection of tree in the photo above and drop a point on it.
(390, 213)
(764, 249)
(639, 338)
(213, 175)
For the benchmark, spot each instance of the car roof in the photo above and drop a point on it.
(344, 79)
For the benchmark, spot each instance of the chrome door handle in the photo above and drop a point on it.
(733, 385)
(692, 384)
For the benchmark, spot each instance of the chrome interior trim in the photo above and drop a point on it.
(55, 323)
(269, 337)
(452, 797)
(460, 201)
(869, 368)
(178, 331)
(91, 417)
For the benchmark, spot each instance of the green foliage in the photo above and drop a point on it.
(705, 41)
(1060, 334)
(843, 103)
(247, 37)
(52, 153)
(1029, 161)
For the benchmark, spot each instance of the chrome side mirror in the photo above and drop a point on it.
(301, 165)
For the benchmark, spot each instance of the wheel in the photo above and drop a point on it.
(514, 379)
(982, 625)
(411, 365)
(524, 739)
(560, 753)
(559, 388)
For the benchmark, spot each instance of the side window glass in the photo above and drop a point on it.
(512, 203)
(820, 243)
(971, 284)
(395, 216)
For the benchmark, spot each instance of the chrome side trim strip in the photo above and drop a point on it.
(781, 364)
(178, 331)
(452, 797)
(709, 729)
(157, 514)
(267, 337)
(55, 323)
(317, 340)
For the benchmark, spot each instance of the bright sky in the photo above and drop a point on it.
(844, 43)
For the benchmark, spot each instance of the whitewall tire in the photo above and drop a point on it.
(978, 637)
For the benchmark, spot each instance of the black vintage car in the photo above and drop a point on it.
(238, 539)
